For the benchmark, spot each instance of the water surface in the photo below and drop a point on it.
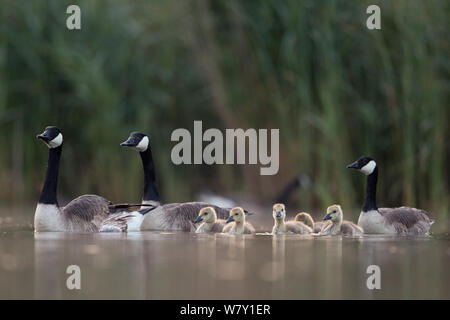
(157, 265)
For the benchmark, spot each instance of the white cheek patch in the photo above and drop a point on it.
(56, 142)
(368, 168)
(143, 144)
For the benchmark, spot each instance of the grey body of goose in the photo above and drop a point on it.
(306, 218)
(289, 227)
(165, 217)
(403, 220)
(86, 213)
(338, 225)
(236, 223)
(209, 223)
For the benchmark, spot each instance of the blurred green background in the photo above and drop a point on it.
(335, 89)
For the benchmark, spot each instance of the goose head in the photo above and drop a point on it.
(334, 213)
(237, 215)
(51, 136)
(207, 214)
(364, 164)
(137, 141)
(305, 218)
(278, 211)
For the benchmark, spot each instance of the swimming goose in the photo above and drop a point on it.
(86, 213)
(338, 225)
(165, 217)
(403, 220)
(282, 227)
(209, 222)
(306, 218)
(236, 223)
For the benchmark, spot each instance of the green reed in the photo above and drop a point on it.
(334, 88)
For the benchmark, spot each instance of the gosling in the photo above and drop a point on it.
(339, 226)
(306, 219)
(209, 222)
(238, 224)
(282, 227)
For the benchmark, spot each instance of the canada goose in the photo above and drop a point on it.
(338, 225)
(403, 220)
(209, 222)
(86, 213)
(165, 217)
(236, 223)
(141, 143)
(282, 227)
(306, 218)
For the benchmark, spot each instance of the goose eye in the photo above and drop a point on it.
(334, 211)
(206, 213)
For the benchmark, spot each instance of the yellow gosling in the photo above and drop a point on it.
(306, 218)
(282, 227)
(207, 217)
(236, 223)
(339, 226)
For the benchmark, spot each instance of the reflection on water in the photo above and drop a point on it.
(154, 265)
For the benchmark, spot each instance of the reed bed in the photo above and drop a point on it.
(335, 89)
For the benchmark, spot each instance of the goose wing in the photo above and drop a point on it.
(88, 210)
(407, 220)
(124, 220)
(182, 215)
(91, 212)
(117, 222)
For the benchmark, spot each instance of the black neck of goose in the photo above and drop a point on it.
(371, 191)
(48, 193)
(150, 188)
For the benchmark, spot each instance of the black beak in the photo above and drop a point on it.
(230, 219)
(327, 217)
(278, 214)
(129, 143)
(199, 219)
(353, 165)
(43, 136)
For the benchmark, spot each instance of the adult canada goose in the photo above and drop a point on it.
(282, 227)
(306, 218)
(165, 217)
(338, 225)
(236, 223)
(209, 222)
(86, 213)
(403, 220)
